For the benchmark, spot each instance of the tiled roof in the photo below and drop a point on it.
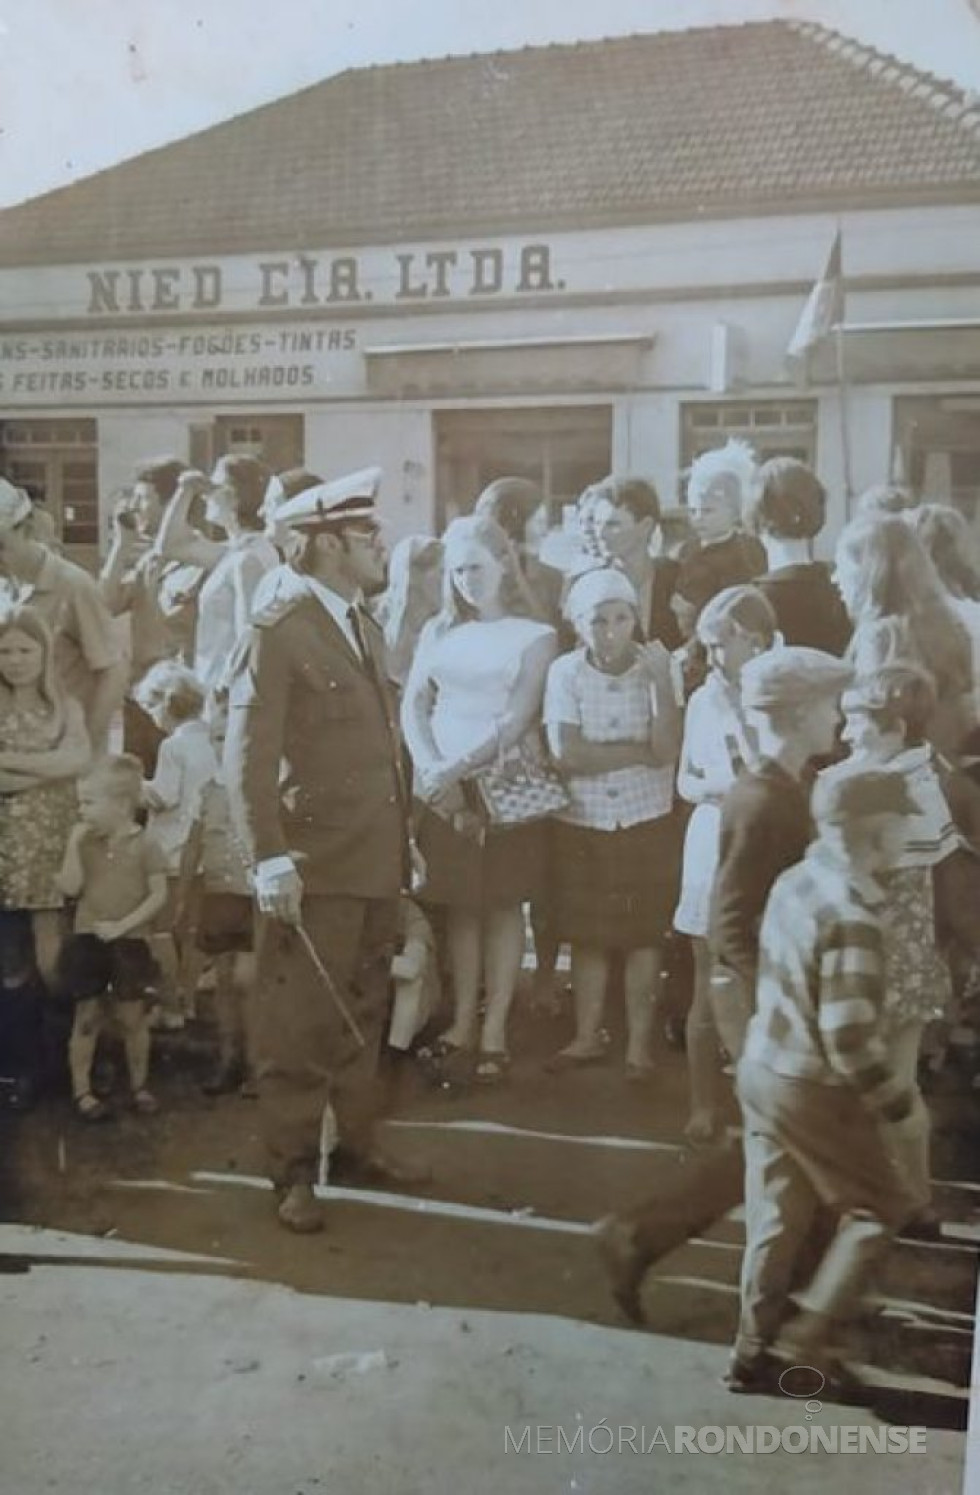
(719, 121)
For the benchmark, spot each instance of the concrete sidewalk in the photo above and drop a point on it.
(141, 1375)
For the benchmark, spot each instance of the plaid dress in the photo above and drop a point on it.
(615, 851)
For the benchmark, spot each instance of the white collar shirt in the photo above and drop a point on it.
(339, 608)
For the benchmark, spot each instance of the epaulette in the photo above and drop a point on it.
(275, 608)
(278, 593)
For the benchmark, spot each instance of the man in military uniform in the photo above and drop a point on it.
(314, 770)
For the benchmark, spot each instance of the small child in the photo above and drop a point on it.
(224, 918)
(820, 1097)
(734, 627)
(415, 973)
(720, 486)
(614, 728)
(173, 698)
(886, 718)
(117, 874)
(791, 697)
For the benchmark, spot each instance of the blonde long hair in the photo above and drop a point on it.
(26, 619)
(406, 606)
(895, 578)
(516, 596)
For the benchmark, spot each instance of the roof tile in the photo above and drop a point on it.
(633, 129)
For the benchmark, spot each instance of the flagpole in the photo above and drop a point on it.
(845, 423)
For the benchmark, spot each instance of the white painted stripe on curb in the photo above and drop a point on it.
(499, 1129)
(162, 1184)
(409, 1202)
(730, 1289)
(38, 1240)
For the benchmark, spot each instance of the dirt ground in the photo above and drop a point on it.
(500, 1239)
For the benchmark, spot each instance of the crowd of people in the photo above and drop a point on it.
(253, 755)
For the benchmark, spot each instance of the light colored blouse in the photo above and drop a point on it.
(608, 708)
(474, 669)
(225, 603)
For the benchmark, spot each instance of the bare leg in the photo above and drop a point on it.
(244, 980)
(228, 1009)
(590, 969)
(503, 952)
(465, 960)
(702, 1051)
(134, 1021)
(49, 932)
(82, 1045)
(910, 1138)
(641, 979)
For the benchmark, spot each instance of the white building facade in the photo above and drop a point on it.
(559, 355)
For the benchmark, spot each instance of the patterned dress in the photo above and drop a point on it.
(35, 823)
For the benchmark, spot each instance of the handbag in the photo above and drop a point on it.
(522, 786)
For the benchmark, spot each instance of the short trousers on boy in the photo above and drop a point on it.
(89, 967)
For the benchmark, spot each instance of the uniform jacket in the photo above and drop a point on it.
(312, 755)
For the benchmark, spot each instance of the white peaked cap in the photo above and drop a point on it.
(350, 497)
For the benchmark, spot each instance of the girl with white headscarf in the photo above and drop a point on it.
(614, 728)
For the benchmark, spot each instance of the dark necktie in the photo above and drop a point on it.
(357, 629)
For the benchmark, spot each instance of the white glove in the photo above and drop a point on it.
(279, 889)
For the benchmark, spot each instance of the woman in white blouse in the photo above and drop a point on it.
(235, 565)
(475, 691)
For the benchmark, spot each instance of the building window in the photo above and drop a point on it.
(774, 428)
(936, 450)
(57, 462)
(562, 450)
(276, 439)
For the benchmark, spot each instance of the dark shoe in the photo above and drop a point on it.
(89, 1108)
(298, 1210)
(375, 1170)
(924, 1226)
(226, 1077)
(625, 1266)
(757, 1373)
(802, 1372)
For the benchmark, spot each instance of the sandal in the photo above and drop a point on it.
(144, 1103)
(570, 1059)
(492, 1067)
(88, 1107)
(441, 1050)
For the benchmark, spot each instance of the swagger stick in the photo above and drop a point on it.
(330, 985)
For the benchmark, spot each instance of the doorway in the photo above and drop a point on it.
(57, 462)
(563, 450)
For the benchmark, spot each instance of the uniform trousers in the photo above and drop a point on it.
(305, 1054)
(809, 1145)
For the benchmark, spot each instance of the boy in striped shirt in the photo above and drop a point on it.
(815, 1087)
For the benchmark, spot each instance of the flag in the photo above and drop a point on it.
(823, 310)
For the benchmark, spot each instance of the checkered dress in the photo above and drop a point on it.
(615, 858)
(608, 708)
